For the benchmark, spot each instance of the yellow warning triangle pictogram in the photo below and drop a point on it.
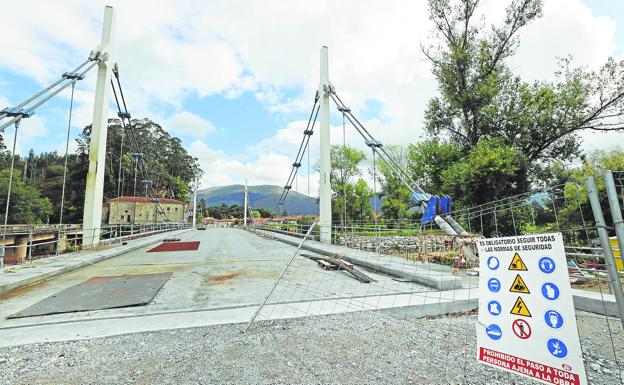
(517, 263)
(520, 308)
(519, 286)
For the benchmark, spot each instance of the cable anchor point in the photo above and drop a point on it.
(17, 112)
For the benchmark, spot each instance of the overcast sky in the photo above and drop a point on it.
(235, 80)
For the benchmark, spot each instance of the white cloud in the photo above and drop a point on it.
(4, 102)
(170, 52)
(567, 28)
(29, 129)
(189, 123)
(222, 169)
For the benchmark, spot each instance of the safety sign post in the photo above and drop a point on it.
(526, 314)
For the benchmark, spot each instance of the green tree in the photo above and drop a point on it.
(264, 213)
(490, 169)
(26, 204)
(427, 160)
(345, 166)
(396, 196)
(180, 188)
(481, 98)
(165, 162)
(359, 198)
(468, 62)
(575, 192)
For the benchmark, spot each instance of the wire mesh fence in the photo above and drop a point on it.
(412, 271)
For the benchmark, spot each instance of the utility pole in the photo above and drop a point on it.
(136, 156)
(146, 182)
(25, 169)
(119, 183)
(245, 206)
(325, 88)
(195, 204)
(601, 227)
(94, 192)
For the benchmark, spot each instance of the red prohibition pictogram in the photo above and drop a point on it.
(521, 328)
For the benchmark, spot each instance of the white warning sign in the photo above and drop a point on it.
(526, 314)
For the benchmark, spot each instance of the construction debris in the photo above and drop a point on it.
(338, 264)
(326, 265)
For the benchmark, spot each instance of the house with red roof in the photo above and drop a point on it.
(143, 210)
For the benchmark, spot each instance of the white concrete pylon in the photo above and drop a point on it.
(325, 88)
(92, 215)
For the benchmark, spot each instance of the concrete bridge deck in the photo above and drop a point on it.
(221, 282)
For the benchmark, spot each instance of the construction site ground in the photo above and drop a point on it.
(191, 332)
(355, 348)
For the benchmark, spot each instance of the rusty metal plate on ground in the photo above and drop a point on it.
(175, 246)
(100, 293)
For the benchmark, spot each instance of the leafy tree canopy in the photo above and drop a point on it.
(480, 98)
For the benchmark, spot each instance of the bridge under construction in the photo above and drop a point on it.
(71, 282)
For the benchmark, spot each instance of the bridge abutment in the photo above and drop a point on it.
(17, 253)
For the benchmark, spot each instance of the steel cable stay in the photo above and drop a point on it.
(123, 134)
(487, 208)
(62, 208)
(433, 206)
(300, 154)
(141, 167)
(38, 94)
(69, 120)
(8, 200)
(344, 192)
(134, 143)
(4, 113)
(418, 193)
(23, 110)
(295, 166)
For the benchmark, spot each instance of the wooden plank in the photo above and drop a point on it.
(348, 267)
(326, 265)
(340, 265)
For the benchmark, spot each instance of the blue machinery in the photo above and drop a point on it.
(435, 208)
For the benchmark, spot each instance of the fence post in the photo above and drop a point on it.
(616, 284)
(616, 211)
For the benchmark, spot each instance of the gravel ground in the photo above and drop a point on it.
(360, 348)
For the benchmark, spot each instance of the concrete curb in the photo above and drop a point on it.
(603, 304)
(431, 309)
(597, 303)
(8, 287)
(437, 282)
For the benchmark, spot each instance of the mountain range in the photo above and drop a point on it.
(262, 196)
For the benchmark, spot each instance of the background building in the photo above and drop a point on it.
(148, 210)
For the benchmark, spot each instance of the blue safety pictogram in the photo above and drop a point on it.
(494, 285)
(493, 263)
(557, 348)
(494, 308)
(546, 265)
(553, 319)
(494, 332)
(550, 291)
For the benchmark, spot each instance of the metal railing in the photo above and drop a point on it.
(69, 238)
